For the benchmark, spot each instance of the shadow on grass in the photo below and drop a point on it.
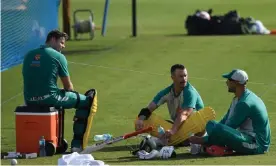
(181, 156)
(127, 148)
(119, 148)
(193, 36)
(85, 47)
(86, 50)
(177, 35)
(265, 51)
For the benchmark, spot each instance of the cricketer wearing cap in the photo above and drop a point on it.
(181, 98)
(41, 68)
(245, 128)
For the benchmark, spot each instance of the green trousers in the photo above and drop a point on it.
(68, 100)
(222, 135)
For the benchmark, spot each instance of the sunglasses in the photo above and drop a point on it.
(230, 79)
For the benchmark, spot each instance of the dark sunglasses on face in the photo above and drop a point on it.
(230, 79)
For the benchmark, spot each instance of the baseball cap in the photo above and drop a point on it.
(237, 75)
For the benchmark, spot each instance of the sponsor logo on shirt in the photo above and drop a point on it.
(36, 61)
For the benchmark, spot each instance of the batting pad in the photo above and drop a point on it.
(93, 110)
(194, 124)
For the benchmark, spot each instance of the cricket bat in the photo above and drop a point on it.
(101, 145)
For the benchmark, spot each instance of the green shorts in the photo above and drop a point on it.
(65, 99)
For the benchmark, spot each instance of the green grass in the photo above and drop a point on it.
(128, 72)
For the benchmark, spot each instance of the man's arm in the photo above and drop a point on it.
(64, 74)
(144, 115)
(67, 84)
(189, 104)
(181, 116)
(146, 112)
(158, 100)
(223, 120)
(241, 113)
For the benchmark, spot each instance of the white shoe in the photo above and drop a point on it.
(195, 149)
(75, 149)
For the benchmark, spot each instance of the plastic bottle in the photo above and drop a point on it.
(42, 151)
(161, 130)
(13, 155)
(103, 137)
(191, 134)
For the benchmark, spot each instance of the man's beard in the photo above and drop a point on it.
(232, 90)
(182, 84)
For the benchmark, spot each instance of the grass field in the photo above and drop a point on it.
(127, 72)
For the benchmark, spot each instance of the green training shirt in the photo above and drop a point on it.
(249, 115)
(188, 98)
(41, 68)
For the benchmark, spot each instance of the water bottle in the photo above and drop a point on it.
(191, 134)
(103, 137)
(161, 130)
(42, 151)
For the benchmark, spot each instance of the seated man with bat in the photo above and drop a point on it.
(185, 106)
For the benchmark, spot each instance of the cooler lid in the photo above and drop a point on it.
(36, 109)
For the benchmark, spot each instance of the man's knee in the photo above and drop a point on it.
(77, 96)
(84, 101)
(89, 99)
(211, 126)
(200, 134)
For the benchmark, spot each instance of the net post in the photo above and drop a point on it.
(106, 7)
(66, 17)
(134, 19)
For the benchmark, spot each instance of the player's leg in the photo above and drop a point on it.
(83, 120)
(64, 99)
(194, 124)
(86, 107)
(222, 135)
(187, 141)
(71, 99)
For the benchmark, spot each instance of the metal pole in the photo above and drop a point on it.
(106, 6)
(134, 19)
(66, 17)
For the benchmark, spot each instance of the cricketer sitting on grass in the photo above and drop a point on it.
(245, 128)
(182, 100)
(41, 68)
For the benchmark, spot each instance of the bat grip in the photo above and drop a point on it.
(138, 132)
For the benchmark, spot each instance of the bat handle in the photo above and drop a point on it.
(138, 132)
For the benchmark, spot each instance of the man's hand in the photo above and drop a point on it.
(169, 133)
(181, 116)
(139, 124)
(144, 114)
(166, 137)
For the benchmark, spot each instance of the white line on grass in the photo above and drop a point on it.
(13, 97)
(271, 101)
(144, 72)
(267, 90)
